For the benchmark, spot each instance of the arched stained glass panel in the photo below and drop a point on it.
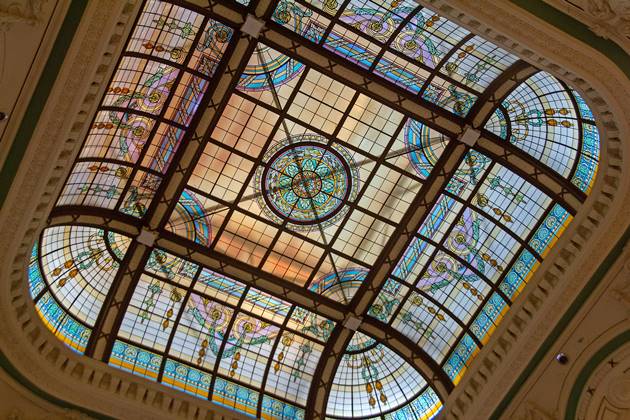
(283, 194)
(553, 124)
(373, 380)
(71, 271)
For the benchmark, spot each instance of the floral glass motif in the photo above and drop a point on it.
(303, 178)
(551, 122)
(371, 380)
(144, 91)
(292, 174)
(476, 237)
(404, 43)
(214, 337)
(305, 182)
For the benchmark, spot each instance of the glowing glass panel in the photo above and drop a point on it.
(75, 267)
(304, 178)
(146, 108)
(405, 44)
(187, 326)
(371, 380)
(552, 123)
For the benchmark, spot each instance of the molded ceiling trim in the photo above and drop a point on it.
(538, 8)
(586, 372)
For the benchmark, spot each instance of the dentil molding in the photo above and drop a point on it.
(47, 362)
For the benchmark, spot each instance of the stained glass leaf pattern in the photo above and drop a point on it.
(183, 50)
(491, 228)
(370, 380)
(71, 271)
(408, 45)
(213, 336)
(305, 178)
(552, 123)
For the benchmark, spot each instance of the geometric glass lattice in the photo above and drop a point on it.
(303, 182)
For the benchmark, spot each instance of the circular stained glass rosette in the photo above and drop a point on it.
(307, 182)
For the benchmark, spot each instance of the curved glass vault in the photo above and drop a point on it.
(283, 182)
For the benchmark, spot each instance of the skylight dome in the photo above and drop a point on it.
(242, 206)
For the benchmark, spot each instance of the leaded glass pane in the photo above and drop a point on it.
(277, 184)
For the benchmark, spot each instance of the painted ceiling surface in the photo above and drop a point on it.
(310, 179)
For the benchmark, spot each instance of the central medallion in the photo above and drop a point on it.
(307, 184)
(306, 181)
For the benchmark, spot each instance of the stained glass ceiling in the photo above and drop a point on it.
(287, 223)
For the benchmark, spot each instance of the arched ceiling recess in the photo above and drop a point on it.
(270, 178)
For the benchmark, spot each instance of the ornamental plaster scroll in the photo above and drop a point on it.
(607, 390)
(29, 12)
(44, 360)
(530, 411)
(584, 246)
(609, 19)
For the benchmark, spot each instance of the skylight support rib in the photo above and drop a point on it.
(481, 307)
(295, 258)
(330, 64)
(403, 345)
(254, 278)
(445, 59)
(496, 92)
(88, 216)
(403, 101)
(162, 114)
(114, 313)
(169, 191)
(411, 222)
(525, 165)
(114, 307)
(325, 372)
